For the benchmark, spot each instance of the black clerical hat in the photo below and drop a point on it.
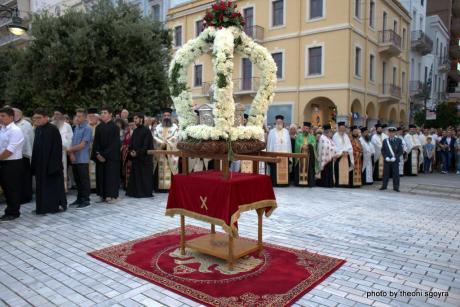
(377, 126)
(363, 129)
(306, 124)
(341, 124)
(166, 110)
(399, 129)
(92, 110)
(327, 127)
(354, 127)
(412, 126)
(279, 117)
(140, 115)
(59, 109)
(246, 116)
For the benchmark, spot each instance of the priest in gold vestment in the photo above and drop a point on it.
(165, 137)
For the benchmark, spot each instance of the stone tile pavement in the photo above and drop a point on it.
(403, 243)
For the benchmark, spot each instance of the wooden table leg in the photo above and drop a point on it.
(260, 214)
(182, 235)
(213, 228)
(230, 252)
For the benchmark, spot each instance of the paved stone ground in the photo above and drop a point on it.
(392, 242)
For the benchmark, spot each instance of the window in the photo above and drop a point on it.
(384, 21)
(358, 61)
(422, 2)
(247, 74)
(248, 14)
(198, 76)
(395, 26)
(178, 36)
(437, 46)
(315, 61)
(403, 81)
(283, 109)
(394, 76)
(384, 73)
(358, 9)
(371, 67)
(278, 58)
(404, 39)
(199, 27)
(372, 14)
(316, 9)
(277, 13)
(156, 12)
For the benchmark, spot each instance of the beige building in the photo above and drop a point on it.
(336, 58)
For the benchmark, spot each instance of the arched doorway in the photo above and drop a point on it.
(371, 113)
(320, 111)
(393, 118)
(402, 117)
(357, 113)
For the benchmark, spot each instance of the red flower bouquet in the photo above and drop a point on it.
(223, 14)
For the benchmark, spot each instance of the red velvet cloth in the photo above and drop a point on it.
(209, 194)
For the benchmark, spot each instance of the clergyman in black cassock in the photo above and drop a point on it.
(141, 179)
(106, 154)
(47, 166)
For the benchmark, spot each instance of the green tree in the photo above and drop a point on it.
(109, 55)
(446, 115)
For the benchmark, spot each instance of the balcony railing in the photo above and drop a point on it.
(421, 42)
(443, 64)
(390, 93)
(255, 32)
(389, 43)
(240, 86)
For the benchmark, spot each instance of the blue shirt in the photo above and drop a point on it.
(82, 133)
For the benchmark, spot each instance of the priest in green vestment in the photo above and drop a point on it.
(306, 168)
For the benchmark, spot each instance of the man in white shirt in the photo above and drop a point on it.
(344, 164)
(377, 141)
(28, 132)
(66, 135)
(413, 152)
(11, 143)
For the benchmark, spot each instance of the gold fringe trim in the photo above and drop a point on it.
(230, 229)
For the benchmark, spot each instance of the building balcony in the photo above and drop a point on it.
(421, 43)
(241, 86)
(417, 89)
(390, 93)
(455, 26)
(255, 32)
(443, 64)
(389, 43)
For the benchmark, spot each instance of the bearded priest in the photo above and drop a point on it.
(413, 152)
(368, 156)
(343, 166)
(165, 137)
(279, 141)
(306, 168)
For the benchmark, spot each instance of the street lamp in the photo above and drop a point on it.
(15, 27)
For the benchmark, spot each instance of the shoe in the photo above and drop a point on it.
(382, 188)
(397, 190)
(63, 208)
(444, 172)
(112, 200)
(76, 203)
(6, 218)
(83, 205)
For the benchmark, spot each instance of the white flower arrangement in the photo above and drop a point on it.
(222, 43)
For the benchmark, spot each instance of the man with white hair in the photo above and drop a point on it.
(28, 132)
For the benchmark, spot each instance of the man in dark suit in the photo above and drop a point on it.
(392, 150)
(447, 145)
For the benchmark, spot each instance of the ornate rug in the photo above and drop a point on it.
(279, 277)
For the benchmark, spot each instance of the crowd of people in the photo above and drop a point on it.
(355, 156)
(98, 151)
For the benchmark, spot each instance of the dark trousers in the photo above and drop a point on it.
(391, 169)
(446, 160)
(81, 175)
(427, 164)
(11, 183)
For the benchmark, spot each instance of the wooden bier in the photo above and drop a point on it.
(224, 246)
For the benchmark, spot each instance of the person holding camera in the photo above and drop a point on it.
(392, 149)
